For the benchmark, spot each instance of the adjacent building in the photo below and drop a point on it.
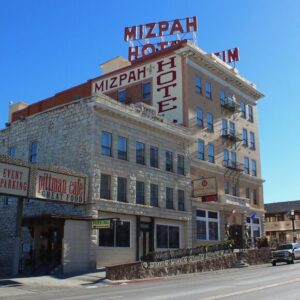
(282, 222)
(170, 145)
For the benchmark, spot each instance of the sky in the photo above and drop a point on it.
(47, 46)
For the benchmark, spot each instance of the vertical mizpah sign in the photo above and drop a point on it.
(152, 37)
(166, 76)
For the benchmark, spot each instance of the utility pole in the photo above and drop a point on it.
(293, 224)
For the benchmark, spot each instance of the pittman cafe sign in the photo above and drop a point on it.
(205, 188)
(46, 185)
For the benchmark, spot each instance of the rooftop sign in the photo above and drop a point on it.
(148, 38)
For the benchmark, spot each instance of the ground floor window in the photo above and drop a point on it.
(208, 225)
(116, 236)
(167, 236)
(254, 230)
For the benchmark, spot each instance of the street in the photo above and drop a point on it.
(256, 282)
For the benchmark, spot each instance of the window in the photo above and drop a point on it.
(226, 158)
(33, 152)
(105, 186)
(167, 237)
(122, 189)
(154, 195)
(226, 187)
(140, 192)
(253, 224)
(198, 84)
(232, 129)
(243, 110)
(250, 113)
(146, 90)
(180, 200)
(247, 192)
(222, 97)
(7, 200)
(122, 96)
(211, 153)
(255, 197)
(201, 149)
(153, 157)
(180, 164)
(245, 137)
(122, 148)
(140, 153)
(106, 143)
(224, 127)
(116, 236)
(12, 151)
(253, 168)
(208, 90)
(169, 161)
(246, 165)
(199, 114)
(234, 189)
(207, 225)
(252, 140)
(169, 198)
(233, 159)
(210, 121)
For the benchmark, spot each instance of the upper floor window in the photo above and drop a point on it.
(199, 113)
(154, 195)
(140, 153)
(122, 189)
(210, 121)
(252, 140)
(233, 159)
(12, 151)
(33, 152)
(180, 164)
(180, 199)
(154, 156)
(255, 202)
(231, 129)
(198, 84)
(122, 148)
(169, 161)
(106, 143)
(245, 137)
(211, 153)
(105, 186)
(140, 192)
(201, 149)
(226, 187)
(224, 127)
(247, 192)
(208, 90)
(226, 158)
(122, 96)
(243, 110)
(234, 189)
(146, 91)
(169, 198)
(246, 165)
(253, 168)
(250, 113)
(222, 97)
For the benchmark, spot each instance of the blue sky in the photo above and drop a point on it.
(49, 46)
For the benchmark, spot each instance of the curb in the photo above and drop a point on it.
(125, 282)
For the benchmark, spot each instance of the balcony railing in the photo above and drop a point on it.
(233, 165)
(230, 136)
(234, 200)
(281, 225)
(229, 104)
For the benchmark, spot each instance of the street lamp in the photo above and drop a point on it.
(293, 223)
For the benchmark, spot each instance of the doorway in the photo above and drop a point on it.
(236, 233)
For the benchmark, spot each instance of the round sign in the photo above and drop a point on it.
(204, 183)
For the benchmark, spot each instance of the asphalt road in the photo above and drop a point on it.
(258, 282)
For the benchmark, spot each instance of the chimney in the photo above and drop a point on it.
(13, 107)
(114, 64)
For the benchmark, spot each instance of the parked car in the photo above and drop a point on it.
(286, 253)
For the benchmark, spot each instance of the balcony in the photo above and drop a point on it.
(234, 200)
(230, 136)
(229, 104)
(282, 225)
(233, 165)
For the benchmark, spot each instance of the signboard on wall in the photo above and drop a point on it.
(101, 224)
(14, 180)
(204, 187)
(59, 187)
(166, 78)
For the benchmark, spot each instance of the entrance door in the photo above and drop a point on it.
(236, 233)
(144, 242)
(145, 234)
